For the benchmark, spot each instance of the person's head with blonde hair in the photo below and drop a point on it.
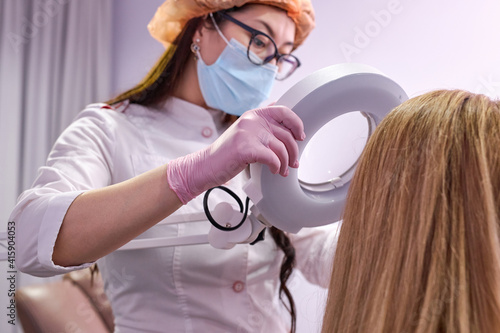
(419, 248)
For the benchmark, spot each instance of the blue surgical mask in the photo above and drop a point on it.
(233, 84)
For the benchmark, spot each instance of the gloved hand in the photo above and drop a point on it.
(266, 135)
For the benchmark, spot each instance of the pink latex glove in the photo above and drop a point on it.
(266, 135)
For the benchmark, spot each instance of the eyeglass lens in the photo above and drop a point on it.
(262, 49)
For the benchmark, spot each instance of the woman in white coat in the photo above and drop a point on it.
(145, 157)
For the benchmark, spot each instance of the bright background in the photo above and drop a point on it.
(422, 45)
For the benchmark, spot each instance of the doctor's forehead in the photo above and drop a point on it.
(271, 20)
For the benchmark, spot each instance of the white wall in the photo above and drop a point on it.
(422, 45)
(135, 50)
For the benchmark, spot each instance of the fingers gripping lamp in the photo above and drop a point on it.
(288, 203)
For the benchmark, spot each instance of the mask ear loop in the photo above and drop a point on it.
(218, 30)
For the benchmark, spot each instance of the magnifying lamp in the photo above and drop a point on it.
(289, 203)
(292, 203)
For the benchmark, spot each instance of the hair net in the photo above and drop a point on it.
(172, 15)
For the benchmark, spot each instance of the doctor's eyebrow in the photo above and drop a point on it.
(270, 32)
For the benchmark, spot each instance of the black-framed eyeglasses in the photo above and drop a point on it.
(262, 49)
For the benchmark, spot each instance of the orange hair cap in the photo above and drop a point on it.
(172, 15)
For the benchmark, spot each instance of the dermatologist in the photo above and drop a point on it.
(194, 122)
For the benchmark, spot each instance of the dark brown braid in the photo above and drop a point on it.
(287, 265)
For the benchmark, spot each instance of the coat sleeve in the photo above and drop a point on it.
(80, 160)
(315, 248)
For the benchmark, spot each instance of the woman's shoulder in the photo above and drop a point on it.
(120, 114)
(97, 120)
(103, 111)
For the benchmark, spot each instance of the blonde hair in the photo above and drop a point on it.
(419, 247)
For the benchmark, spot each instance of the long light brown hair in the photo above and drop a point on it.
(419, 247)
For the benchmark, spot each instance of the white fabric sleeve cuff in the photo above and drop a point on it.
(49, 229)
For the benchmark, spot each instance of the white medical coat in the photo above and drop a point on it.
(172, 289)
